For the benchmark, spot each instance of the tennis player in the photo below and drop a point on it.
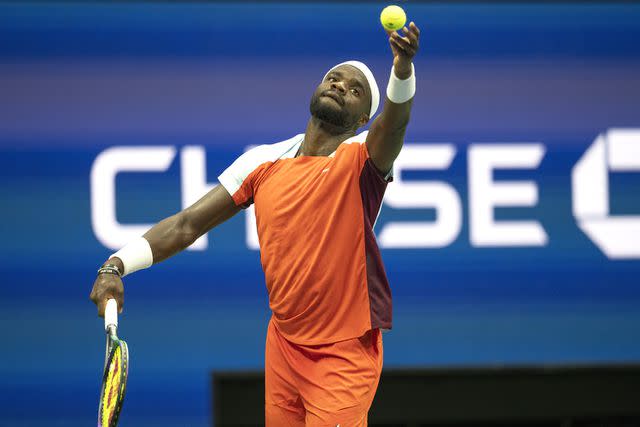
(317, 197)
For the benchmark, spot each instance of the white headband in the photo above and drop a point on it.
(373, 86)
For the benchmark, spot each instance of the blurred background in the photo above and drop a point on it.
(116, 115)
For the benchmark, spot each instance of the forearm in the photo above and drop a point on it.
(170, 236)
(177, 232)
(399, 100)
(166, 238)
(392, 122)
(386, 135)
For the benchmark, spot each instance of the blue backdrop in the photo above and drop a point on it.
(205, 81)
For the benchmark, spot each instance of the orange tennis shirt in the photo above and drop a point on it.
(315, 217)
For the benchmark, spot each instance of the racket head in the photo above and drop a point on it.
(114, 384)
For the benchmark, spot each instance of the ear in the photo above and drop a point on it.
(364, 119)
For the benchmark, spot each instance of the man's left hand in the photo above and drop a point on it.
(404, 49)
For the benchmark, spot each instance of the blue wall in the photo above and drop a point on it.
(77, 79)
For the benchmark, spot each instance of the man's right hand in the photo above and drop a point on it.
(105, 287)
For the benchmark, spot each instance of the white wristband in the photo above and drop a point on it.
(135, 256)
(400, 91)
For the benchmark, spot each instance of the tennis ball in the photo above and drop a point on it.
(393, 17)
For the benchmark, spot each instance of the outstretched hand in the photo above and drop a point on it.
(404, 48)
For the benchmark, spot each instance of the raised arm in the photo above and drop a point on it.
(386, 134)
(166, 238)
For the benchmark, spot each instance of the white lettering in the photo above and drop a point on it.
(438, 195)
(485, 194)
(106, 167)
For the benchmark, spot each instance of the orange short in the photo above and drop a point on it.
(321, 385)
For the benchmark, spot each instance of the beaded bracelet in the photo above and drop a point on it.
(110, 269)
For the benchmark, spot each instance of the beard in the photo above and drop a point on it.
(331, 114)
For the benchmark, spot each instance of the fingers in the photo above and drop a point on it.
(404, 44)
(414, 29)
(407, 44)
(120, 301)
(394, 49)
(105, 287)
(102, 305)
(413, 34)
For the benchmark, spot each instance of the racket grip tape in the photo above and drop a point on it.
(111, 314)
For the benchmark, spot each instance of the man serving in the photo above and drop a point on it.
(317, 197)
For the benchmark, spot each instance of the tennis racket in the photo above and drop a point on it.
(116, 368)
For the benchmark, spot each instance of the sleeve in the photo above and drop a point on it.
(239, 178)
(366, 162)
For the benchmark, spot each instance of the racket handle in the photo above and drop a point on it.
(111, 314)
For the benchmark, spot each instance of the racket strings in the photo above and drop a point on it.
(114, 382)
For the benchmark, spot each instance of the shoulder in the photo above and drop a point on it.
(354, 144)
(354, 151)
(273, 152)
(256, 157)
(358, 139)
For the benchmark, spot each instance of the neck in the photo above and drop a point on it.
(322, 138)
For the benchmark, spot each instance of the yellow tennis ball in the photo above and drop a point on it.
(393, 17)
